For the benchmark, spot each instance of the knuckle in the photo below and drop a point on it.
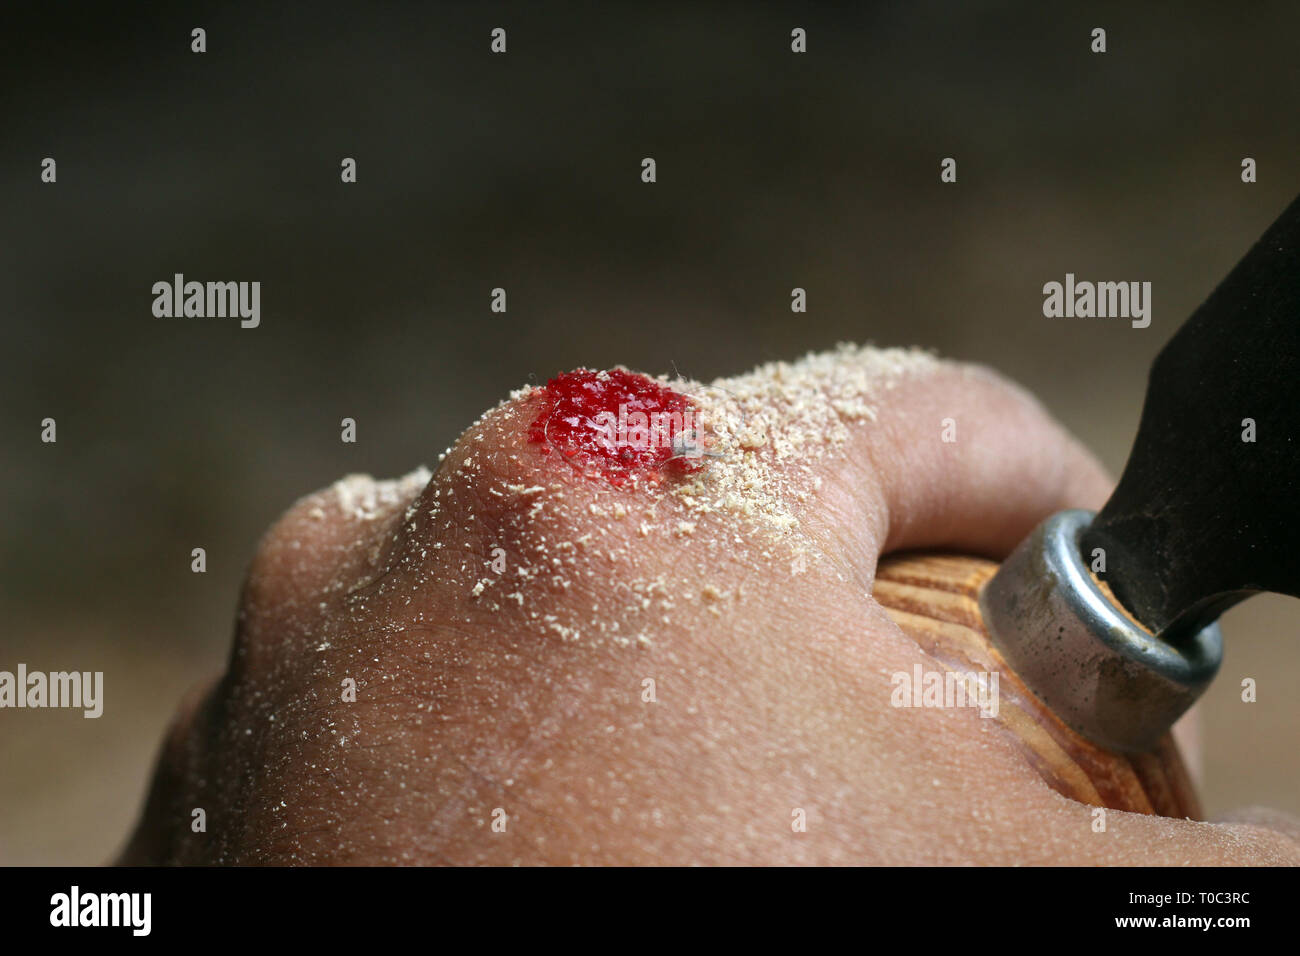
(327, 540)
(497, 488)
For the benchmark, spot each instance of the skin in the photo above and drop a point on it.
(772, 687)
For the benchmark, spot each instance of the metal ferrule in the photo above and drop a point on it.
(1103, 674)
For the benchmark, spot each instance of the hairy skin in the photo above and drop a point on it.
(772, 687)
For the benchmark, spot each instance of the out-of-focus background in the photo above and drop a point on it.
(522, 171)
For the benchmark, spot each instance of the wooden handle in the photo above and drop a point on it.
(935, 600)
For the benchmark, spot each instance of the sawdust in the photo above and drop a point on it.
(363, 498)
(768, 433)
(770, 427)
(578, 550)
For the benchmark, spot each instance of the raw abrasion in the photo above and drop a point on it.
(618, 425)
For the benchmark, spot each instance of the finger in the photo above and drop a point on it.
(966, 460)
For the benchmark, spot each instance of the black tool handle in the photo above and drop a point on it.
(1204, 516)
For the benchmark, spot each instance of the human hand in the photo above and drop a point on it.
(551, 668)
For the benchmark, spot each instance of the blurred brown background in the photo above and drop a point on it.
(522, 171)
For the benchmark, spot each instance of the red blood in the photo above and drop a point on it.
(619, 426)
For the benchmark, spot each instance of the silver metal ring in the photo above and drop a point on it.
(1099, 671)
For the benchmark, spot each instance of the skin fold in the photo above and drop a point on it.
(497, 729)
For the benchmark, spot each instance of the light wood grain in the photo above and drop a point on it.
(935, 600)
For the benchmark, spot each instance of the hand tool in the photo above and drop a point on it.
(1107, 621)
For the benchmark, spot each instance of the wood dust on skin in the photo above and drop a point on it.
(768, 432)
(588, 565)
(594, 570)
